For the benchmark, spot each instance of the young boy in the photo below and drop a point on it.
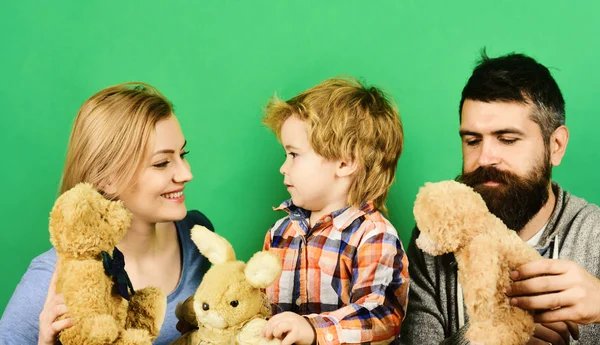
(344, 267)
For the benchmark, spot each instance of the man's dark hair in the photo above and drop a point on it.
(518, 78)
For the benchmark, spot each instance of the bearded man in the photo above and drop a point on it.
(512, 127)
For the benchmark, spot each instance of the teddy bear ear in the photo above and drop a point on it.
(216, 248)
(262, 269)
(118, 215)
(114, 212)
(73, 203)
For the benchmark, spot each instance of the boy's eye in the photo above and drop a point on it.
(161, 164)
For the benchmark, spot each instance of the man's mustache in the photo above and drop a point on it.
(485, 174)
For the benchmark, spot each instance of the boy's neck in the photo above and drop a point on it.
(316, 215)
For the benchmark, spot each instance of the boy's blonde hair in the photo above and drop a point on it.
(348, 121)
(111, 134)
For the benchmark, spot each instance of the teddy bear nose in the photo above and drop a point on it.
(205, 306)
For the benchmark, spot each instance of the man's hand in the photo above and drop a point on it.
(560, 290)
(556, 333)
(291, 328)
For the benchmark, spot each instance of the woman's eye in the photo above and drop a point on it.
(161, 165)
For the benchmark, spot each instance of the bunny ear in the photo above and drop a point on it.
(262, 269)
(216, 248)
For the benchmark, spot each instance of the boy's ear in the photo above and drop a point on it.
(346, 168)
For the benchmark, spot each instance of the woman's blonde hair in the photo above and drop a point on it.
(347, 120)
(111, 134)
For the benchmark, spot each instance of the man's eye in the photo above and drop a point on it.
(472, 142)
(161, 165)
(509, 141)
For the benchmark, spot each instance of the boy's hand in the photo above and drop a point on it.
(291, 328)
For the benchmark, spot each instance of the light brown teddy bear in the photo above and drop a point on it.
(228, 307)
(453, 218)
(84, 229)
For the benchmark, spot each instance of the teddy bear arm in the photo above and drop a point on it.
(93, 330)
(146, 310)
(479, 274)
(516, 252)
(488, 306)
(98, 315)
(88, 290)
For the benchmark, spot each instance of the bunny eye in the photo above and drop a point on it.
(205, 306)
(234, 303)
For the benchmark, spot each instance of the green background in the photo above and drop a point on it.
(220, 61)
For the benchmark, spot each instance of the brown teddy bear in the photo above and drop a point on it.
(453, 218)
(229, 306)
(84, 229)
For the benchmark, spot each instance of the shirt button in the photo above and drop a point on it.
(298, 301)
(329, 337)
(327, 219)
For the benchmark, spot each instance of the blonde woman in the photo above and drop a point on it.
(127, 142)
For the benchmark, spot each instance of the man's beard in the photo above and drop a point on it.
(516, 199)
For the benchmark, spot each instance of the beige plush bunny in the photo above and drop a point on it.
(228, 307)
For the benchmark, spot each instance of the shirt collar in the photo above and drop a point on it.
(341, 218)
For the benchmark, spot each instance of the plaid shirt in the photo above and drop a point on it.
(348, 274)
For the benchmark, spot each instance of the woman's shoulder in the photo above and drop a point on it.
(194, 263)
(44, 262)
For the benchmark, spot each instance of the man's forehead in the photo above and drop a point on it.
(490, 117)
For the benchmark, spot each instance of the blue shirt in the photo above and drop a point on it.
(20, 321)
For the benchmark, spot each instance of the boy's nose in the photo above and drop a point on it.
(283, 168)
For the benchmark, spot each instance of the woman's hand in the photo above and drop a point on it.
(54, 307)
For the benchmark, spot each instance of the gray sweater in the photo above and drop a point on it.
(432, 316)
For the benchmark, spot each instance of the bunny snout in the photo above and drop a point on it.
(211, 318)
